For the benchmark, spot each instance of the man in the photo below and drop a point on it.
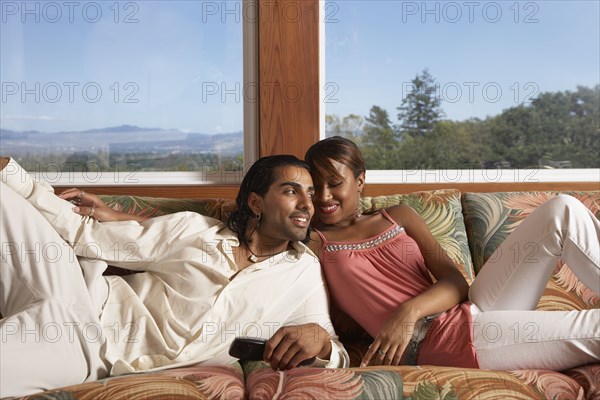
(201, 284)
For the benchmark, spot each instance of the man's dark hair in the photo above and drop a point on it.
(258, 179)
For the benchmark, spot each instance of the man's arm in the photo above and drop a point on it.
(291, 345)
(308, 333)
(127, 244)
(88, 204)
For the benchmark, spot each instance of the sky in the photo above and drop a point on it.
(178, 64)
(485, 56)
(160, 64)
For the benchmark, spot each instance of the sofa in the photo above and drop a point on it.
(469, 226)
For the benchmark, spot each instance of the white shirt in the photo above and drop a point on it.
(182, 309)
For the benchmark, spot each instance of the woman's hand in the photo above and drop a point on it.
(391, 341)
(90, 205)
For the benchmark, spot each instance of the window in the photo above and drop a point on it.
(477, 91)
(128, 92)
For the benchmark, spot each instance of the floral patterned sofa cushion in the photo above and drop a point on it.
(156, 206)
(442, 212)
(406, 382)
(588, 376)
(491, 217)
(187, 383)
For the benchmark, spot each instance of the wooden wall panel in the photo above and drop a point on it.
(288, 76)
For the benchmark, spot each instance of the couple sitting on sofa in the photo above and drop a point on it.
(188, 307)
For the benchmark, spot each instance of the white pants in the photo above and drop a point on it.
(507, 334)
(50, 331)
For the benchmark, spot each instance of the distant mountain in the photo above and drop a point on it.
(122, 128)
(120, 139)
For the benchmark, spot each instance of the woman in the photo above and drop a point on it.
(378, 271)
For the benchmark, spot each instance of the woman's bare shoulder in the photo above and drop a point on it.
(315, 242)
(401, 213)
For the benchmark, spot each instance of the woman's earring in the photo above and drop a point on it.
(258, 216)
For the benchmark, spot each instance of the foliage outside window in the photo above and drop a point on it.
(506, 99)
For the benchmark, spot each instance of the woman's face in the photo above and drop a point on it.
(336, 199)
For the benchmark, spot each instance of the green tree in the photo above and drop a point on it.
(511, 137)
(421, 107)
(351, 126)
(556, 128)
(450, 145)
(380, 141)
(570, 126)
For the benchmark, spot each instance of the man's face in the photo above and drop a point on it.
(287, 207)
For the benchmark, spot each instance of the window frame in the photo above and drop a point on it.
(271, 138)
(250, 60)
(454, 176)
(487, 176)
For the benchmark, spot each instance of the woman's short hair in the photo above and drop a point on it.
(336, 148)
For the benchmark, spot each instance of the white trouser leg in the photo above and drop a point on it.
(514, 278)
(554, 340)
(50, 335)
(517, 273)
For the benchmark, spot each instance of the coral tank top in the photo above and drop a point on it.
(369, 279)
